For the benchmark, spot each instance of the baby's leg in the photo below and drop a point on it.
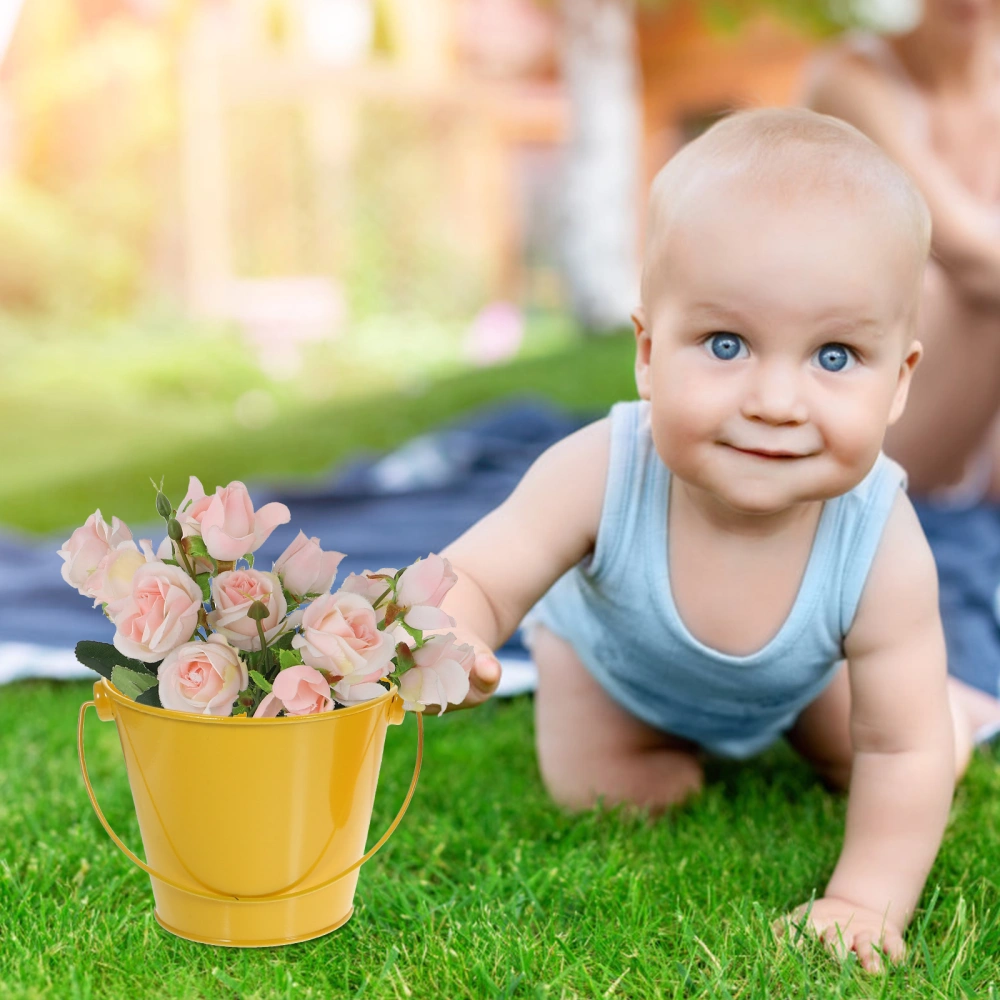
(822, 732)
(590, 749)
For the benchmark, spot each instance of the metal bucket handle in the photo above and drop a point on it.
(271, 897)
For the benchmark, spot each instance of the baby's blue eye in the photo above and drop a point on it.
(726, 346)
(834, 357)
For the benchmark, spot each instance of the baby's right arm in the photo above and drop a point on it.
(507, 560)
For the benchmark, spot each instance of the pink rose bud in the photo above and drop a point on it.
(202, 677)
(87, 546)
(233, 593)
(159, 615)
(441, 674)
(298, 690)
(231, 528)
(305, 568)
(369, 588)
(340, 635)
(421, 590)
(192, 508)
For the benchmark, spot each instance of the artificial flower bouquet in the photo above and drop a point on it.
(199, 629)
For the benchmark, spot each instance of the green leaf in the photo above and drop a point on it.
(249, 559)
(261, 681)
(196, 546)
(103, 657)
(202, 579)
(413, 632)
(151, 696)
(131, 683)
(284, 641)
(289, 658)
(171, 562)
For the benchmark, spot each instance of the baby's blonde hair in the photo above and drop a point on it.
(787, 152)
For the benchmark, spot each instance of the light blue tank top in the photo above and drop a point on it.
(617, 611)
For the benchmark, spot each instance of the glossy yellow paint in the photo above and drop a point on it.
(254, 829)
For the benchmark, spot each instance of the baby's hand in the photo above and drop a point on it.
(484, 675)
(844, 927)
(483, 680)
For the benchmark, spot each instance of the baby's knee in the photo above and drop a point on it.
(649, 780)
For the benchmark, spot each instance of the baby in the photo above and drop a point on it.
(731, 559)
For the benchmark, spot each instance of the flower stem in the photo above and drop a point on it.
(263, 648)
(184, 557)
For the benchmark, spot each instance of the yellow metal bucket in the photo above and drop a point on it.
(254, 829)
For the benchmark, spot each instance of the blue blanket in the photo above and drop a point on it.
(966, 546)
(387, 511)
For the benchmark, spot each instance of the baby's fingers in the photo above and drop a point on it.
(866, 944)
(484, 677)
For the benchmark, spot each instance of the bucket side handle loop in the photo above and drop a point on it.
(271, 897)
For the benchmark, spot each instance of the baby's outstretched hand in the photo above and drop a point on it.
(483, 680)
(843, 928)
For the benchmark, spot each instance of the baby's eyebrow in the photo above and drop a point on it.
(853, 327)
(721, 314)
(827, 325)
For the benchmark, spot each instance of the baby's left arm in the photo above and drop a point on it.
(903, 765)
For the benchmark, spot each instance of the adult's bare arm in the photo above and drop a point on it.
(966, 238)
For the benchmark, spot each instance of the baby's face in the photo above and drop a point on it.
(778, 347)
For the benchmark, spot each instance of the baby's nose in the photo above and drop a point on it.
(774, 395)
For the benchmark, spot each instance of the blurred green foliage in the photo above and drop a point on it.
(93, 115)
(819, 17)
(54, 263)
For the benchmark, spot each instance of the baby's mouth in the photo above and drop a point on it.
(773, 454)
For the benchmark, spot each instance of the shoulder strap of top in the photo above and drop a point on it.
(629, 441)
(866, 511)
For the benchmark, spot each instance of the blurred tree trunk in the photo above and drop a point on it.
(600, 231)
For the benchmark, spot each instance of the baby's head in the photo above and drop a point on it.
(775, 341)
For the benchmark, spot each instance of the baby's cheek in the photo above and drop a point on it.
(854, 440)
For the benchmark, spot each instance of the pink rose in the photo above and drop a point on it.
(112, 580)
(299, 690)
(229, 525)
(305, 568)
(340, 635)
(441, 674)
(421, 590)
(349, 691)
(371, 590)
(233, 592)
(192, 508)
(87, 546)
(159, 615)
(202, 677)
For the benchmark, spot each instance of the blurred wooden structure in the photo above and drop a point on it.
(693, 75)
(229, 63)
(461, 66)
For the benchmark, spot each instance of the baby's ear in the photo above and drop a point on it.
(913, 355)
(642, 352)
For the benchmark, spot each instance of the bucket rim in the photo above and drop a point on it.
(228, 720)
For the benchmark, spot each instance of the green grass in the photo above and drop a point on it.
(486, 889)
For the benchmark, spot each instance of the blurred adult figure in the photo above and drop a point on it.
(931, 98)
